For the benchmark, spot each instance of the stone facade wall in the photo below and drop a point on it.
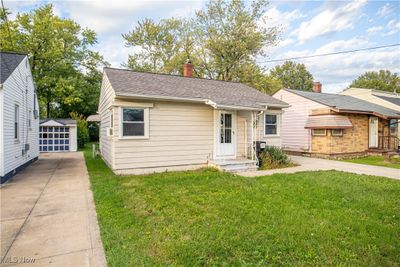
(354, 140)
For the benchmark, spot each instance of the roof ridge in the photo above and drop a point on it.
(175, 75)
(15, 53)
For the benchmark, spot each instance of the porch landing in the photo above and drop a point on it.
(234, 165)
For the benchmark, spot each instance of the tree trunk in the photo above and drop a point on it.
(47, 110)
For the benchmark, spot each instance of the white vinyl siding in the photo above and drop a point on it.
(18, 89)
(105, 110)
(293, 134)
(179, 134)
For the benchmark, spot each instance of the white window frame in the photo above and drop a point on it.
(313, 133)
(337, 135)
(278, 124)
(146, 123)
(16, 122)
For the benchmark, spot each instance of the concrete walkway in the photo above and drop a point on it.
(315, 164)
(48, 215)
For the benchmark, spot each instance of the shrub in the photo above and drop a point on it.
(274, 157)
(82, 128)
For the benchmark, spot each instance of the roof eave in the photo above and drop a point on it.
(197, 100)
(366, 113)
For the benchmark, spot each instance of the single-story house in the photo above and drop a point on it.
(335, 125)
(58, 135)
(156, 122)
(19, 115)
(383, 98)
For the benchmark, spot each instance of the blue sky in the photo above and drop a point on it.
(308, 27)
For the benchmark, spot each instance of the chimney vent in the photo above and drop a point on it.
(317, 87)
(188, 69)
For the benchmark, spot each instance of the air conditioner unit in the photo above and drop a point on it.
(110, 131)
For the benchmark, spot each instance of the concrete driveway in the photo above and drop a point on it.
(48, 216)
(315, 164)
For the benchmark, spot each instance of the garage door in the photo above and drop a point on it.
(53, 139)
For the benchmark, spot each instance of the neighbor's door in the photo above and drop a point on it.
(373, 132)
(226, 144)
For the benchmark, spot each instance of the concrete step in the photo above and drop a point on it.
(235, 165)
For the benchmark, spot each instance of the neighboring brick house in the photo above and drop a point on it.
(335, 125)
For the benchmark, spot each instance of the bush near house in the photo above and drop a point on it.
(82, 129)
(274, 157)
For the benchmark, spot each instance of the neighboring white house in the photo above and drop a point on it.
(156, 122)
(19, 115)
(386, 99)
(57, 135)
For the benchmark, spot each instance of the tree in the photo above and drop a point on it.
(60, 57)
(381, 80)
(222, 41)
(293, 75)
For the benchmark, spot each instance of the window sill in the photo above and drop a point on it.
(272, 135)
(133, 137)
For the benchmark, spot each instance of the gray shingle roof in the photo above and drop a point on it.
(345, 102)
(220, 92)
(392, 100)
(62, 121)
(8, 63)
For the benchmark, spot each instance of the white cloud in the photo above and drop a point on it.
(386, 10)
(374, 29)
(336, 72)
(329, 21)
(273, 17)
(393, 27)
(341, 45)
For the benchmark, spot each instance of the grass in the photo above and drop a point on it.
(377, 161)
(210, 218)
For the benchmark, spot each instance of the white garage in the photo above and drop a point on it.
(57, 135)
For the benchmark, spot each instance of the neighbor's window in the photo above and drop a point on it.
(271, 124)
(393, 124)
(318, 132)
(337, 132)
(30, 120)
(16, 122)
(134, 122)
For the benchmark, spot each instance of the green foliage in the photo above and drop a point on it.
(293, 75)
(82, 129)
(274, 157)
(381, 80)
(222, 42)
(211, 218)
(63, 66)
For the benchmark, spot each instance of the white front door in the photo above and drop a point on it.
(373, 132)
(226, 140)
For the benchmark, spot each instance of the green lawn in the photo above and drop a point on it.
(377, 161)
(209, 218)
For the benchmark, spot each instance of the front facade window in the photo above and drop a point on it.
(318, 132)
(337, 132)
(134, 122)
(393, 124)
(271, 124)
(16, 122)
